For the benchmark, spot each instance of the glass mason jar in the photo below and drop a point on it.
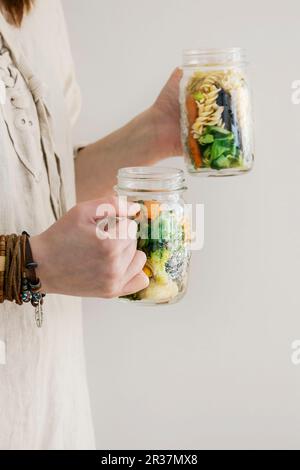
(216, 119)
(163, 230)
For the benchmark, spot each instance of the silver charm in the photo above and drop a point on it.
(39, 315)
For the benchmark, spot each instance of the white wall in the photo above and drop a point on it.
(213, 371)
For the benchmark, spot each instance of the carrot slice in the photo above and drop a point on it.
(195, 151)
(192, 114)
(148, 271)
(191, 109)
(153, 209)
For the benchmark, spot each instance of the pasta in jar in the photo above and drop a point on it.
(216, 120)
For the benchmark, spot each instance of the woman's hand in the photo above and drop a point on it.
(147, 139)
(73, 260)
(166, 116)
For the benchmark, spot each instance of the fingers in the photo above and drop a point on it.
(127, 257)
(116, 228)
(114, 207)
(92, 211)
(135, 267)
(126, 229)
(138, 283)
(117, 235)
(173, 82)
(176, 74)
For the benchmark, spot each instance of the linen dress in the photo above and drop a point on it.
(44, 402)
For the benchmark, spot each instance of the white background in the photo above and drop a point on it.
(215, 370)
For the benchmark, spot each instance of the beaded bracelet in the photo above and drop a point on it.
(2, 266)
(12, 277)
(18, 280)
(31, 285)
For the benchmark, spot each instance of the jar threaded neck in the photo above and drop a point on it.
(151, 179)
(227, 56)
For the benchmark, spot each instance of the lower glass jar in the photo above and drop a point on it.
(163, 230)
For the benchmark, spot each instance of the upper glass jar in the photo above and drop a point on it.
(163, 230)
(216, 118)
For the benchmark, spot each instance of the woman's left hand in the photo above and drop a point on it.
(147, 139)
(166, 112)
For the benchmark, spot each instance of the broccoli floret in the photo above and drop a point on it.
(160, 257)
(157, 262)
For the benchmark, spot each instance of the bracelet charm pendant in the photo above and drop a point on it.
(33, 283)
(39, 316)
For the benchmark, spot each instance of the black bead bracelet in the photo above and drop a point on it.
(31, 285)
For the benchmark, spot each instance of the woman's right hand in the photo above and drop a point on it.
(73, 260)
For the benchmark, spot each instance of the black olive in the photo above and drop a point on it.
(224, 100)
(228, 115)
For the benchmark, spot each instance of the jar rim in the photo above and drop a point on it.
(214, 56)
(148, 179)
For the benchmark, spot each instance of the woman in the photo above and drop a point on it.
(44, 401)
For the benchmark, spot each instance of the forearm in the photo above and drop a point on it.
(137, 143)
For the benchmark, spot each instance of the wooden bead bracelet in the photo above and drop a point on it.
(18, 280)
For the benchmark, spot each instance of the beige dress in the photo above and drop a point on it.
(44, 402)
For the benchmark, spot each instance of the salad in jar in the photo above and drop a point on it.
(163, 235)
(216, 122)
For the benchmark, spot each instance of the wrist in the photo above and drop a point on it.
(39, 254)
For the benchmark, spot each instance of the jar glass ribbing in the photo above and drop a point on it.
(216, 118)
(163, 230)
